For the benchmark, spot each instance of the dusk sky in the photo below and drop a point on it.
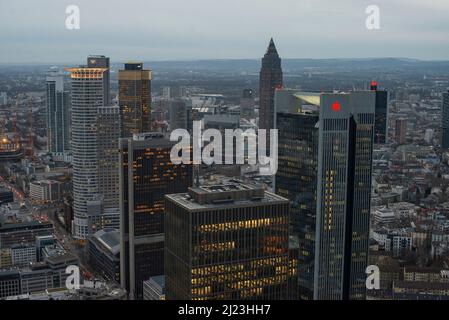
(34, 31)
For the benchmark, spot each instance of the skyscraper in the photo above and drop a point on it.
(135, 99)
(270, 80)
(296, 180)
(87, 96)
(445, 126)
(381, 124)
(146, 175)
(96, 61)
(325, 159)
(108, 124)
(58, 114)
(401, 131)
(226, 240)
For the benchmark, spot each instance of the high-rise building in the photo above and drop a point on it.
(97, 61)
(87, 97)
(325, 159)
(247, 104)
(108, 124)
(270, 80)
(58, 114)
(381, 123)
(146, 175)
(95, 133)
(445, 133)
(296, 180)
(134, 99)
(226, 240)
(401, 131)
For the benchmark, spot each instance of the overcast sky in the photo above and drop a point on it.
(34, 31)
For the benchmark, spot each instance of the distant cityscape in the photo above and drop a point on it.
(88, 185)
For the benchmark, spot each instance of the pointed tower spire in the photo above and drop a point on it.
(272, 47)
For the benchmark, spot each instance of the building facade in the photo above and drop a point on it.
(58, 114)
(87, 97)
(134, 99)
(146, 175)
(108, 124)
(325, 160)
(226, 240)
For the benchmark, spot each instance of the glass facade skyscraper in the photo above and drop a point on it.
(58, 114)
(325, 159)
(134, 99)
(146, 175)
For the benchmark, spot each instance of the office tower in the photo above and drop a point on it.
(381, 123)
(134, 99)
(95, 61)
(178, 112)
(325, 159)
(58, 114)
(226, 240)
(87, 96)
(445, 116)
(296, 180)
(401, 131)
(247, 105)
(270, 80)
(108, 124)
(146, 175)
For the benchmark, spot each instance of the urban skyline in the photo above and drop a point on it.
(351, 202)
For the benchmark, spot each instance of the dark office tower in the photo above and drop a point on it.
(445, 138)
(58, 114)
(134, 99)
(227, 240)
(401, 131)
(270, 80)
(247, 105)
(102, 62)
(296, 179)
(381, 124)
(146, 175)
(325, 158)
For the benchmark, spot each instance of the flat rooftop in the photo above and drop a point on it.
(225, 192)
